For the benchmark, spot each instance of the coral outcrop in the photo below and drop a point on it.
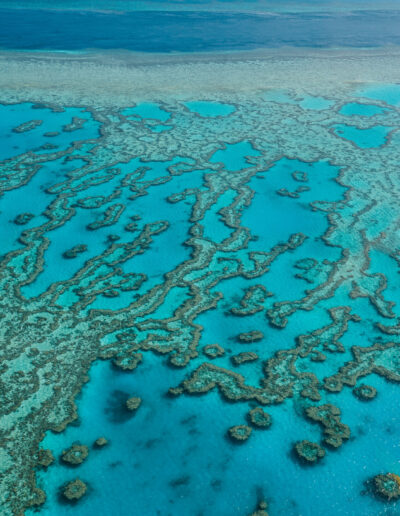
(74, 251)
(387, 486)
(75, 455)
(261, 509)
(132, 404)
(239, 433)
(213, 351)
(74, 490)
(45, 458)
(328, 416)
(100, 442)
(309, 452)
(250, 336)
(258, 418)
(23, 218)
(365, 392)
(245, 356)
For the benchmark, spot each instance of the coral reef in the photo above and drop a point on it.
(174, 391)
(213, 351)
(76, 123)
(258, 418)
(328, 416)
(132, 404)
(387, 486)
(251, 336)
(23, 218)
(74, 251)
(128, 361)
(299, 175)
(75, 455)
(380, 358)
(110, 217)
(239, 433)
(261, 509)
(27, 126)
(100, 442)
(45, 458)
(245, 356)
(252, 301)
(74, 490)
(365, 392)
(309, 452)
(111, 293)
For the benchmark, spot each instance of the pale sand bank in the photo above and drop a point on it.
(118, 79)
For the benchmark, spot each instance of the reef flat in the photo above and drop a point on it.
(125, 78)
(232, 271)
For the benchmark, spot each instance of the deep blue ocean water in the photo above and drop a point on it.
(206, 5)
(157, 31)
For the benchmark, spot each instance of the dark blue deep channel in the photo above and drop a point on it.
(155, 31)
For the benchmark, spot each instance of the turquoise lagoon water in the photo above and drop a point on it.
(389, 93)
(148, 110)
(355, 108)
(306, 102)
(375, 136)
(50, 131)
(168, 459)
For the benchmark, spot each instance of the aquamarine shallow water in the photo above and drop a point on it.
(16, 143)
(375, 136)
(167, 459)
(355, 108)
(148, 110)
(389, 93)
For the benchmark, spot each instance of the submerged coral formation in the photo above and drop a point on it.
(128, 362)
(365, 392)
(100, 442)
(132, 404)
(23, 218)
(74, 251)
(261, 509)
(259, 418)
(213, 351)
(239, 433)
(75, 455)
(45, 458)
(74, 490)
(27, 126)
(309, 452)
(252, 301)
(387, 486)
(251, 336)
(328, 416)
(245, 356)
